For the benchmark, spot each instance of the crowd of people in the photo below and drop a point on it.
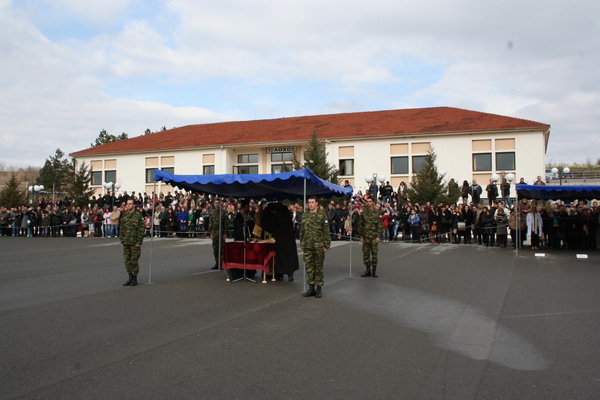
(487, 221)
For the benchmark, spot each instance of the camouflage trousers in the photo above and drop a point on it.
(131, 255)
(313, 261)
(369, 249)
(215, 246)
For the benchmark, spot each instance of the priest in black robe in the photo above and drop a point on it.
(277, 220)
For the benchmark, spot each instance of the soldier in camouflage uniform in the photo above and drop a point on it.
(315, 241)
(217, 215)
(370, 230)
(132, 236)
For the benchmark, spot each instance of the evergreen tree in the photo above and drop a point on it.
(104, 138)
(12, 195)
(55, 172)
(147, 131)
(315, 159)
(426, 185)
(79, 188)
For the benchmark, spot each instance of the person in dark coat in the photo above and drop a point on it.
(243, 225)
(277, 219)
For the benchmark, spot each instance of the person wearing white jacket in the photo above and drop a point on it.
(534, 227)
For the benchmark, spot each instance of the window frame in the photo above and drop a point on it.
(489, 154)
(417, 157)
(247, 158)
(106, 175)
(283, 166)
(392, 165)
(236, 169)
(96, 177)
(514, 161)
(342, 168)
(150, 179)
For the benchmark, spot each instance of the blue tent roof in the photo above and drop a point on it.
(551, 192)
(286, 185)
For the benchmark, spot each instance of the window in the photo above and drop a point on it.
(482, 162)
(150, 175)
(245, 169)
(169, 170)
(418, 162)
(347, 167)
(281, 157)
(247, 158)
(96, 178)
(110, 176)
(505, 161)
(399, 165)
(208, 170)
(279, 168)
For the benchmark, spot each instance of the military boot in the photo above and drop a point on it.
(133, 280)
(374, 274)
(310, 291)
(367, 272)
(128, 283)
(318, 292)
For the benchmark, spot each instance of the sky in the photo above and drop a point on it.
(70, 68)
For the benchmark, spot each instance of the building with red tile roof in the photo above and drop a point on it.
(469, 145)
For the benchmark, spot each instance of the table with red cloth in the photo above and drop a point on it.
(258, 256)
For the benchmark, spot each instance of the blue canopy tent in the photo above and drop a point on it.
(552, 192)
(286, 185)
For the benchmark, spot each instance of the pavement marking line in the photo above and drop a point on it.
(206, 272)
(549, 314)
(105, 244)
(187, 244)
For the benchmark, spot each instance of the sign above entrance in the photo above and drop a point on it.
(289, 149)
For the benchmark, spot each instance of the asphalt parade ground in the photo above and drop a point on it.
(442, 321)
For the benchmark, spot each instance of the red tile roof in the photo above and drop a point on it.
(332, 126)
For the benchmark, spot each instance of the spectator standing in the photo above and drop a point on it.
(115, 217)
(475, 192)
(492, 192)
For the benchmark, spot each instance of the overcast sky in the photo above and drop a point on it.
(70, 68)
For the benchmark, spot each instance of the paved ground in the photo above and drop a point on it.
(441, 322)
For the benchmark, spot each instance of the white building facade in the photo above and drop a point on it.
(495, 147)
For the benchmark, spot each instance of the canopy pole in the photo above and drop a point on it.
(152, 234)
(518, 215)
(350, 242)
(303, 263)
(220, 233)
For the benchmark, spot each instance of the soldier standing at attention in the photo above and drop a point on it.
(315, 241)
(132, 235)
(218, 239)
(370, 229)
